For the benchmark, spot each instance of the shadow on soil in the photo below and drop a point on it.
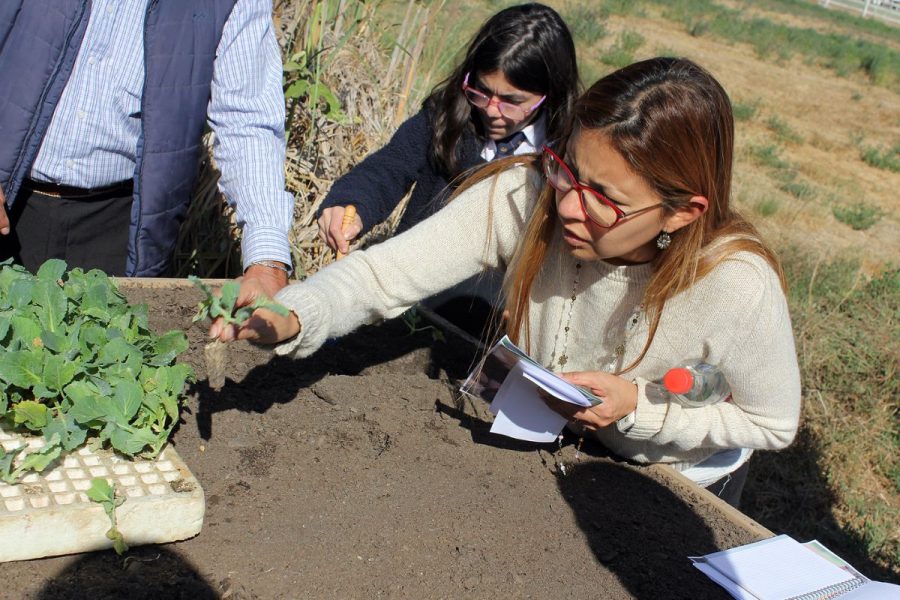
(145, 573)
(650, 562)
(366, 348)
(788, 493)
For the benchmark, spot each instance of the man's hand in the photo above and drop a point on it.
(258, 281)
(4, 218)
(333, 233)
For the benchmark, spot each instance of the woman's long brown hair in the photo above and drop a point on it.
(672, 122)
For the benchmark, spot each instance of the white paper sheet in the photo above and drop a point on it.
(556, 387)
(779, 567)
(520, 411)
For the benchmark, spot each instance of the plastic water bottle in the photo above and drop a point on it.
(696, 383)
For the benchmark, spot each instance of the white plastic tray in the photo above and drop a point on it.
(48, 514)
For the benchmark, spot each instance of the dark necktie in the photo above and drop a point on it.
(507, 147)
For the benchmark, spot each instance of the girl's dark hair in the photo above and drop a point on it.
(532, 46)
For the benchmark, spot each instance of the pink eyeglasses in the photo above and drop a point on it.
(507, 109)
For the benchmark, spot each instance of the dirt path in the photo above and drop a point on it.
(355, 474)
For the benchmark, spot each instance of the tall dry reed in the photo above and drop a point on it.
(347, 89)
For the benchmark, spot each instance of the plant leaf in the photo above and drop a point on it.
(100, 491)
(20, 292)
(49, 296)
(31, 414)
(20, 368)
(6, 461)
(128, 397)
(4, 327)
(167, 347)
(116, 351)
(52, 270)
(70, 433)
(39, 459)
(131, 442)
(88, 409)
(25, 330)
(58, 372)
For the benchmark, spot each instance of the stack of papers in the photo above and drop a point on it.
(780, 568)
(510, 380)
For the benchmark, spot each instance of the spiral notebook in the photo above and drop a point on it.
(780, 568)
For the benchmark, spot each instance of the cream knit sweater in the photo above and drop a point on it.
(735, 317)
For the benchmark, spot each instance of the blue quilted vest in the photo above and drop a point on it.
(39, 40)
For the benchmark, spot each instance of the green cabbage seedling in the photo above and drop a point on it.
(77, 362)
(223, 305)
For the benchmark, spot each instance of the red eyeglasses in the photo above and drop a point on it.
(509, 110)
(599, 209)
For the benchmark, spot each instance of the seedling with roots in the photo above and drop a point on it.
(222, 305)
(104, 493)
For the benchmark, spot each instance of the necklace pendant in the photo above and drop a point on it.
(620, 350)
(563, 359)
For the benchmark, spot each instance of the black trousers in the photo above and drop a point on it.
(85, 230)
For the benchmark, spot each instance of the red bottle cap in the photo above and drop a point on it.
(678, 380)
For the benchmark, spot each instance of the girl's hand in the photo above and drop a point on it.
(619, 399)
(332, 231)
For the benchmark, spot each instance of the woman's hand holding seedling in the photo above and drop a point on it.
(259, 319)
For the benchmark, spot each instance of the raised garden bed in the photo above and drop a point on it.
(357, 474)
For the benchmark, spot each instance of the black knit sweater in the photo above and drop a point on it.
(377, 184)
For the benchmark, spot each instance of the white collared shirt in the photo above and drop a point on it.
(92, 138)
(535, 138)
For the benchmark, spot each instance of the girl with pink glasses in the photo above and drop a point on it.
(511, 94)
(623, 258)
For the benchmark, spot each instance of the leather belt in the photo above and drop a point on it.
(56, 190)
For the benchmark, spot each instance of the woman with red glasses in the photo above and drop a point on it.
(623, 258)
(511, 94)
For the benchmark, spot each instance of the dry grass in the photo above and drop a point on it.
(378, 85)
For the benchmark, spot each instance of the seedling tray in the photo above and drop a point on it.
(49, 513)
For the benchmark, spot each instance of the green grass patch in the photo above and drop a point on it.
(784, 131)
(805, 8)
(860, 216)
(769, 156)
(882, 158)
(801, 190)
(667, 52)
(587, 22)
(621, 8)
(621, 53)
(744, 111)
(795, 186)
(843, 53)
(843, 467)
(767, 207)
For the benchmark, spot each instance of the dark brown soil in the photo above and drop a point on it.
(358, 474)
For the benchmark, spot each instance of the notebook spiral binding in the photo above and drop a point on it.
(833, 591)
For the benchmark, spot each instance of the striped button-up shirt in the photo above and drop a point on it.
(92, 138)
